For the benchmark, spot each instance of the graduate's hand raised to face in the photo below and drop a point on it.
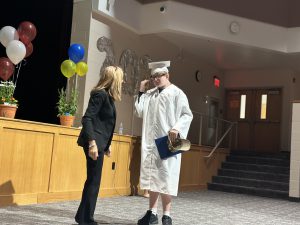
(143, 85)
(173, 134)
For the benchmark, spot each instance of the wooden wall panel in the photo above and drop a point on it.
(134, 166)
(108, 173)
(68, 168)
(24, 164)
(122, 166)
(190, 170)
(42, 163)
(116, 173)
(209, 166)
(18, 199)
(196, 170)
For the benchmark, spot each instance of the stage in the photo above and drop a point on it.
(42, 163)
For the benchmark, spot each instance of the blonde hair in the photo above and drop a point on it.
(111, 80)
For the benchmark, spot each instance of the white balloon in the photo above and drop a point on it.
(8, 34)
(16, 51)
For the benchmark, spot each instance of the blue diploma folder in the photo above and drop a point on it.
(163, 149)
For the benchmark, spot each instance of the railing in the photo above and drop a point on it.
(212, 131)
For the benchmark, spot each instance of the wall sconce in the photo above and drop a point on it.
(206, 99)
(179, 56)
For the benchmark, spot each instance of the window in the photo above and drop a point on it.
(263, 107)
(243, 107)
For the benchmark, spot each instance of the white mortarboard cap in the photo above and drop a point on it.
(159, 67)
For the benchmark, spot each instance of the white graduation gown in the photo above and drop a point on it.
(161, 112)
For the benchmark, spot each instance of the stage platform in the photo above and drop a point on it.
(41, 163)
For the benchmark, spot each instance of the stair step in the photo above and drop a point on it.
(280, 155)
(254, 175)
(248, 190)
(251, 183)
(256, 167)
(258, 160)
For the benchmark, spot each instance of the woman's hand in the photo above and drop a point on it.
(108, 152)
(93, 152)
(173, 134)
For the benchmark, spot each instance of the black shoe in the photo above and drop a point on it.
(148, 219)
(166, 220)
(86, 223)
(89, 223)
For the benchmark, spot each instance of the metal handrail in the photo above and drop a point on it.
(220, 141)
(224, 135)
(213, 117)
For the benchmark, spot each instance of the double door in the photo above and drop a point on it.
(258, 116)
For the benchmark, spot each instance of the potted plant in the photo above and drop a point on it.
(67, 106)
(8, 104)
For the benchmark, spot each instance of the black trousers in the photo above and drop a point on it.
(85, 212)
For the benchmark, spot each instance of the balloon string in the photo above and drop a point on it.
(13, 76)
(76, 81)
(19, 67)
(68, 87)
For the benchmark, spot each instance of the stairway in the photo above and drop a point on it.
(254, 173)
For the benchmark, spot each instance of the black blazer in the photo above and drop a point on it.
(98, 122)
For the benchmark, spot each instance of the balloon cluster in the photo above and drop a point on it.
(18, 46)
(73, 65)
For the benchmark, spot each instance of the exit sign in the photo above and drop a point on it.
(217, 81)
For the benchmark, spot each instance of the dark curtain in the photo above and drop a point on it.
(39, 76)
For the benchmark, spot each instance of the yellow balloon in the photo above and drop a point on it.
(81, 68)
(68, 68)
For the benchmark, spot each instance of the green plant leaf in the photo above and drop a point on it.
(67, 105)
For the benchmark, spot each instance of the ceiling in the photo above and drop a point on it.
(229, 56)
(284, 13)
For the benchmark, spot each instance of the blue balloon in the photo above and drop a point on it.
(76, 52)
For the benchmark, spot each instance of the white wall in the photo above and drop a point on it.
(80, 34)
(294, 190)
(182, 71)
(121, 39)
(147, 19)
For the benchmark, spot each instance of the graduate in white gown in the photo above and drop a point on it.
(165, 111)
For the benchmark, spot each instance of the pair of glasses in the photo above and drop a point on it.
(153, 77)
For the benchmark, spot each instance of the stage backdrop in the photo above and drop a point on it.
(40, 76)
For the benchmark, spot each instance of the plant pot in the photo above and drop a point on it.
(66, 120)
(8, 111)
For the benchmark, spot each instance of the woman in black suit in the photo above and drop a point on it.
(98, 124)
